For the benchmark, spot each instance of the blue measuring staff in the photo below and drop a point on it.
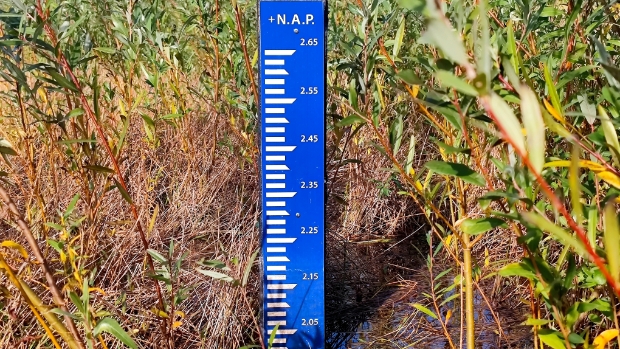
(292, 51)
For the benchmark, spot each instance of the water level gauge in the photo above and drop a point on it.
(292, 79)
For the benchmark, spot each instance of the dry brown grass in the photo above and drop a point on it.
(206, 205)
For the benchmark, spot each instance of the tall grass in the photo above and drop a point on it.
(130, 178)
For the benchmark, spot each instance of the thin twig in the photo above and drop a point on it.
(47, 270)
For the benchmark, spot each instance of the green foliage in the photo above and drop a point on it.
(521, 100)
(511, 91)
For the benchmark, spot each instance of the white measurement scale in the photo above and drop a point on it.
(292, 78)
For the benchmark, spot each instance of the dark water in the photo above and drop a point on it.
(369, 297)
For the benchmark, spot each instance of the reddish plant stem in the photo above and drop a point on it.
(555, 201)
(102, 139)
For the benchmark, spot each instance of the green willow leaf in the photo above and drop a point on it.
(450, 80)
(216, 275)
(424, 309)
(61, 80)
(442, 36)
(508, 122)
(551, 338)
(534, 126)
(560, 234)
(481, 225)
(461, 171)
(612, 240)
(409, 77)
(112, 327)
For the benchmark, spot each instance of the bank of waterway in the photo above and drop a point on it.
(370, 294)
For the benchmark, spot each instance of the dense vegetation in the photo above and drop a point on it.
(129, 179)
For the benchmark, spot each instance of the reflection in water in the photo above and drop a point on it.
(369, 297)
(398, 325)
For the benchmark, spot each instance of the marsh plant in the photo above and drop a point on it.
(129, 176)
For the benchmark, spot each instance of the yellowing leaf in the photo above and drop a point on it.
(159, 313)
(96, 289)
(602, 339)
(14, 245)
(610, 178)
(600, 170)
(121, 106)
(448, 315)
(582, 163)
(179, 313)
(177, 324)
(553, 112)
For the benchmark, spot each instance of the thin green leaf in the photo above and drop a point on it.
(61, 80)
(73, 113)
(534, 126)
(574, 184)
(396, 133)
(410, 155)
(517, 269)
(71, 205)
(54, 226)
(214, 264)
(20, 5)
(512, 47)
(612, 240)
(216, 275)
(481, 225)
(157, 256)
(248, 269)
(450, 80)
(123, 192)
(72, 141)
(350, 120)
(272, 336)
(458, 170)
(553, 92)
(398, 40)
(439, 34)
(508, 122)
(558, 233)
(551, 338)
(588, 109)
(353, 95)
(611, 137)
(112, 327)
(6, 147)
(109, 50)
(424, 309)
(409, 76)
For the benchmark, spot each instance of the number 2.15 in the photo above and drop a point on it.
(310, 276)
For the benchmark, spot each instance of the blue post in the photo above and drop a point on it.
(292, 50)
